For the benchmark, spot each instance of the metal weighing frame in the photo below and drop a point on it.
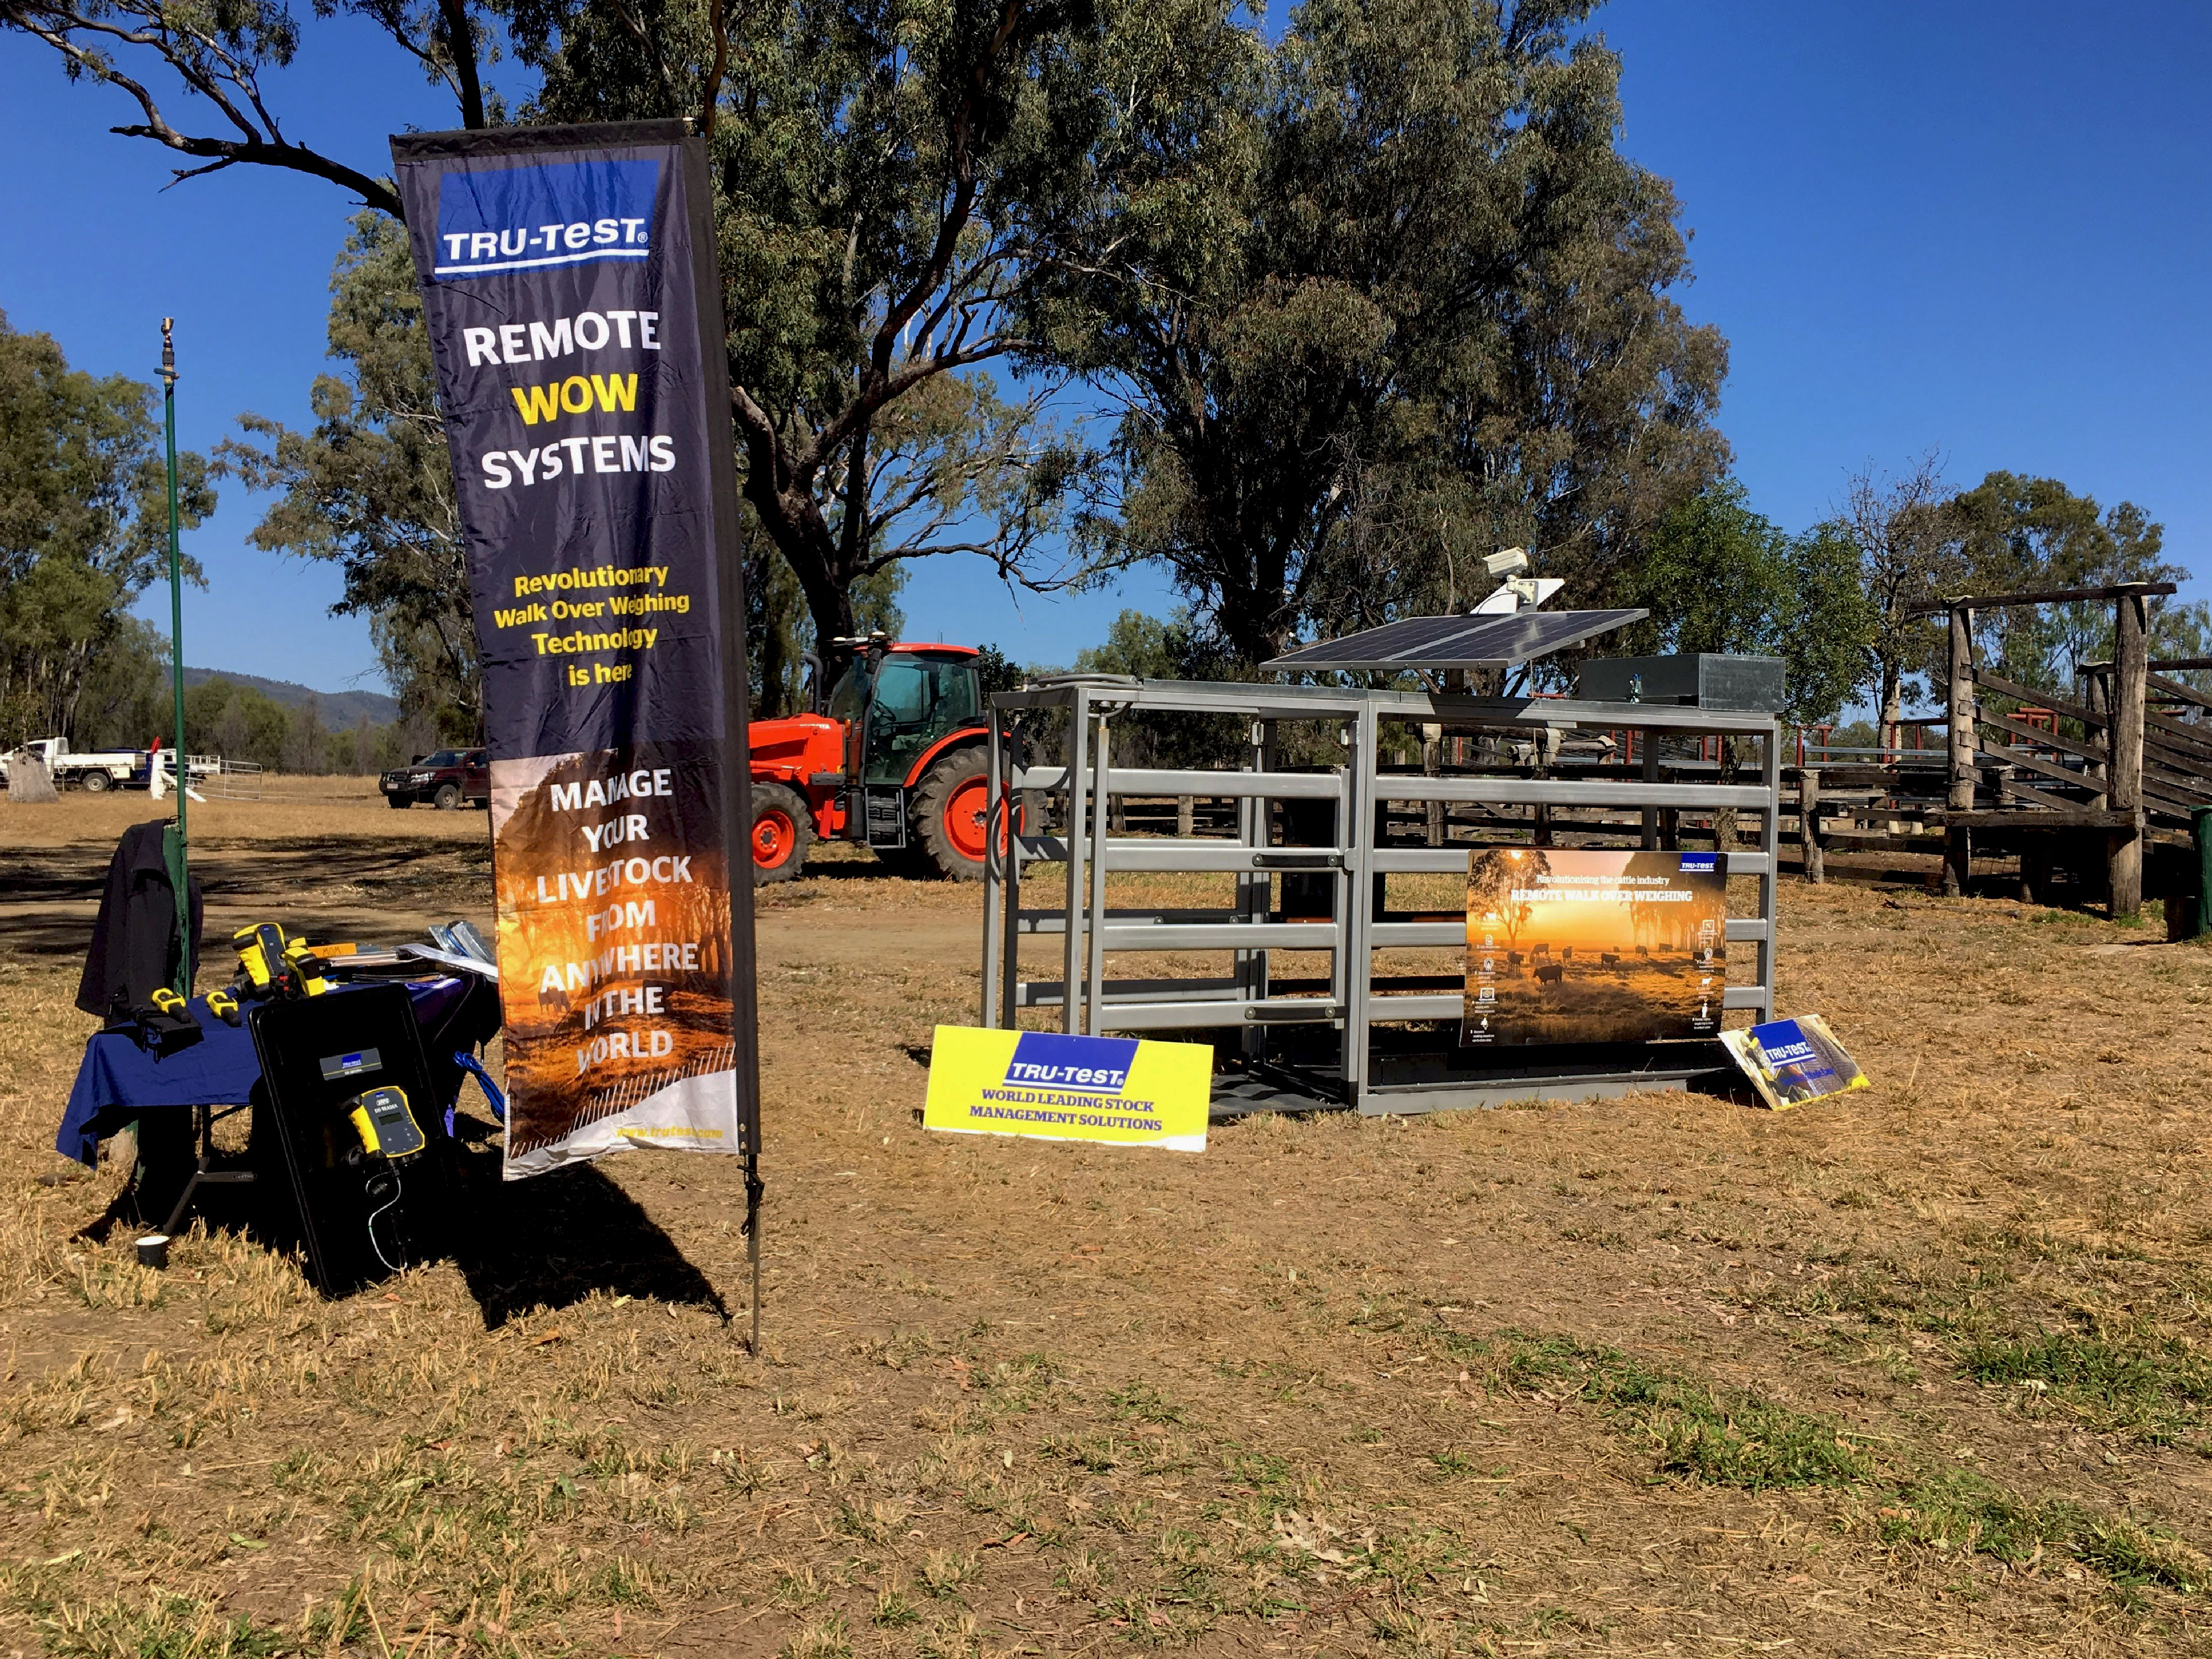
(1355, 1000)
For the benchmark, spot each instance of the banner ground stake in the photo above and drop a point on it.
(753, 1191)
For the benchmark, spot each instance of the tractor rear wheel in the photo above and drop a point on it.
(949, 809)
(782, 831)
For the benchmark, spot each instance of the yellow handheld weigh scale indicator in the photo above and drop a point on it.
(380, 1117)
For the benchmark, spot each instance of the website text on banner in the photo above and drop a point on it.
(568, 282)
(1056, 1087)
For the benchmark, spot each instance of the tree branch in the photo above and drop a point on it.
(950, 228)
(461, 47)
(57, 27)
(760, 430)
(711, 96)
(295, 158)
(863, 409)
(651, 42)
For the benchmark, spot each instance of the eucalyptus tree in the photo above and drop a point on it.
(1908, 554)
(1387, 298)
(1719, 576)
(84, 526)
(886, 173)
(2026, 534)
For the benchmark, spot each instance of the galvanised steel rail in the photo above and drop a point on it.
(1353, 998)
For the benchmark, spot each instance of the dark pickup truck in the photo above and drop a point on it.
(444, 780)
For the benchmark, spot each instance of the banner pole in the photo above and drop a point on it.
(736, 683)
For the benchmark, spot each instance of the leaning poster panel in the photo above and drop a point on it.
(1573, 945)
(574, 313)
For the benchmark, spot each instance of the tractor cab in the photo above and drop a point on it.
(893, 757)
(898, 703)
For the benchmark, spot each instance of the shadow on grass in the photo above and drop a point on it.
(553, 1240)
(49, 895)
(546, 1242)
(848, 869)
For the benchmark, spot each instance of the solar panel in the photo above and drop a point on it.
(1409, 634)
(1439, 642)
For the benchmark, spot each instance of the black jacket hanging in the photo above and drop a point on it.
(135, 948)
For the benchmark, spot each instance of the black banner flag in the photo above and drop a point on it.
(569, 286)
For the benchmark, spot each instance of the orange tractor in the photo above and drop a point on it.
(895, 761)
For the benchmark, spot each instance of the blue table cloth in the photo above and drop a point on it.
(117, 1079)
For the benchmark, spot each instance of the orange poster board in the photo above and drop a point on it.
(1575, 944)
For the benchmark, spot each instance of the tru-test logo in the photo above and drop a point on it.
(558, 213)
(1052, 1060)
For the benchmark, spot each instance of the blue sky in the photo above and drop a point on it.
(1977, 227)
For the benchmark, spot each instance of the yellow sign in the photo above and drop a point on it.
(1058, 1087)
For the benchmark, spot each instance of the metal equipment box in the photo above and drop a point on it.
(1697, 680)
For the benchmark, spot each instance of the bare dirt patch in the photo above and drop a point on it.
(1922, 1371)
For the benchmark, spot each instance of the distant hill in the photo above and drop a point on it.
(340, 709)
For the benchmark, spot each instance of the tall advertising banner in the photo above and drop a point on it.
(569, 284)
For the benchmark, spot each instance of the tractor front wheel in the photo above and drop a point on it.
(782, 831)
(948, 811)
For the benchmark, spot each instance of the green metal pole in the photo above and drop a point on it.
(176, 859)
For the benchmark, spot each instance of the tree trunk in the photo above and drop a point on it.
(793, 521)
(1251, 576)
(770, 658)
(829, 601)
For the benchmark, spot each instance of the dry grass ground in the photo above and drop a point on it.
(1922, 1371)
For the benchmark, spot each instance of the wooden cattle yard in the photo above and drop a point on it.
(2093, 796)
(2134, 779)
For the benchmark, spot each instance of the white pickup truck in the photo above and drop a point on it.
(110, 768)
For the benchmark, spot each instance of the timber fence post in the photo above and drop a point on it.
(1809, 822)
(1432, 765)
(2096, 692)
(2130, 671)
(1651, 839)
(1724, 817)
(1958, 840)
